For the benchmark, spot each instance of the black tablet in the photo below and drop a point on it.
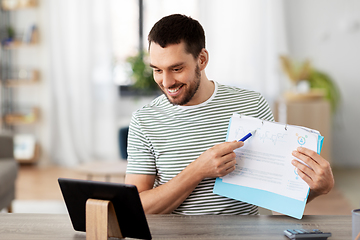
(124, 197)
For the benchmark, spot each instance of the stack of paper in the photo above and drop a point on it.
(264, 175)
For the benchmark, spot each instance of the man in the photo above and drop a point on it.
(176, 143)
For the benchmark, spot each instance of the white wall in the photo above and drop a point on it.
(328, 33)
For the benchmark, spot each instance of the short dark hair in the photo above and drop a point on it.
(175, 28)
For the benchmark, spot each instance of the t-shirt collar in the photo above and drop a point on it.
(203, 103)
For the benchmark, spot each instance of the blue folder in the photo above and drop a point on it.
(272, 201)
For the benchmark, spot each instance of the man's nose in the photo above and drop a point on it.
(168, 80)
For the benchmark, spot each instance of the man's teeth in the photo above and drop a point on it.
(174, 90)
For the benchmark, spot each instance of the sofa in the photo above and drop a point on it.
(8, 172)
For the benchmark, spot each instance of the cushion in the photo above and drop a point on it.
(8, 174)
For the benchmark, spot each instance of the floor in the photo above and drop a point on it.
(37, 189)
(38, 186)
(41, 183)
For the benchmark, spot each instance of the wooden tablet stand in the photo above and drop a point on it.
(101, 220)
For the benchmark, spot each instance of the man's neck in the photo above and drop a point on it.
(204, 92)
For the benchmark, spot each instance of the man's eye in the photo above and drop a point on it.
(157, 70)
(177, 69)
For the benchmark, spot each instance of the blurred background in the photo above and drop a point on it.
(70, 81)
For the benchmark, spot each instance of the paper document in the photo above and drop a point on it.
(264, 162)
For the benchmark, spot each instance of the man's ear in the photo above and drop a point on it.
(203, 59)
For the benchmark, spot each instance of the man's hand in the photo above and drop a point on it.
(215, 162)
(318, 175)
(218, 160)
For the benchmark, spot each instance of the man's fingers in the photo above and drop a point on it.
(306, 159)
(220, 159)
(230, 169)
(228, 157)
(225, 148)
(311, 158)
(229, 166)
(233, 145)
(305, 169)
(311, 154)
(320, 178)
(305, 177)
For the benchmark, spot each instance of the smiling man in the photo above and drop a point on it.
(176, 144)
(178, 73)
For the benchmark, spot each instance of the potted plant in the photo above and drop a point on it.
(320, 83)
(142, 75)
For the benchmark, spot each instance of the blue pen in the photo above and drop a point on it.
(247, 136)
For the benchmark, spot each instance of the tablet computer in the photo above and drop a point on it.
(124, 197)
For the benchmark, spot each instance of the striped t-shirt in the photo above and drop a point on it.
(164, 139)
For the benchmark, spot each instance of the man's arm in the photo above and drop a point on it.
(318, 175)
(217, 161)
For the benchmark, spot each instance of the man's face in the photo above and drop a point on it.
(176, 72)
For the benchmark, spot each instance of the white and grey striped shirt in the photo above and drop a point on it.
(164, 139)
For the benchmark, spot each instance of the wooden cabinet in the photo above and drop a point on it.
(311, 113)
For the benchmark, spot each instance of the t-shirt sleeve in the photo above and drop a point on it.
(141, 159)
(264, 110)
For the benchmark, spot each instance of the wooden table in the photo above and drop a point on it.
(58, 226)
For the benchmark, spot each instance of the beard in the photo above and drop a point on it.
(189, 92)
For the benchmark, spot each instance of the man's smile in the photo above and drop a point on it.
(174, 90)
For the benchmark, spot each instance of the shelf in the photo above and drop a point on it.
(26, 78)
(19, 44)
(21, 82)
(11, 5)
(20, 39)
(21, 118)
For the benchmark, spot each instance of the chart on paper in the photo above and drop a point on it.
(261, 134)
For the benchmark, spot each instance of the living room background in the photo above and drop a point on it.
(83, 43)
